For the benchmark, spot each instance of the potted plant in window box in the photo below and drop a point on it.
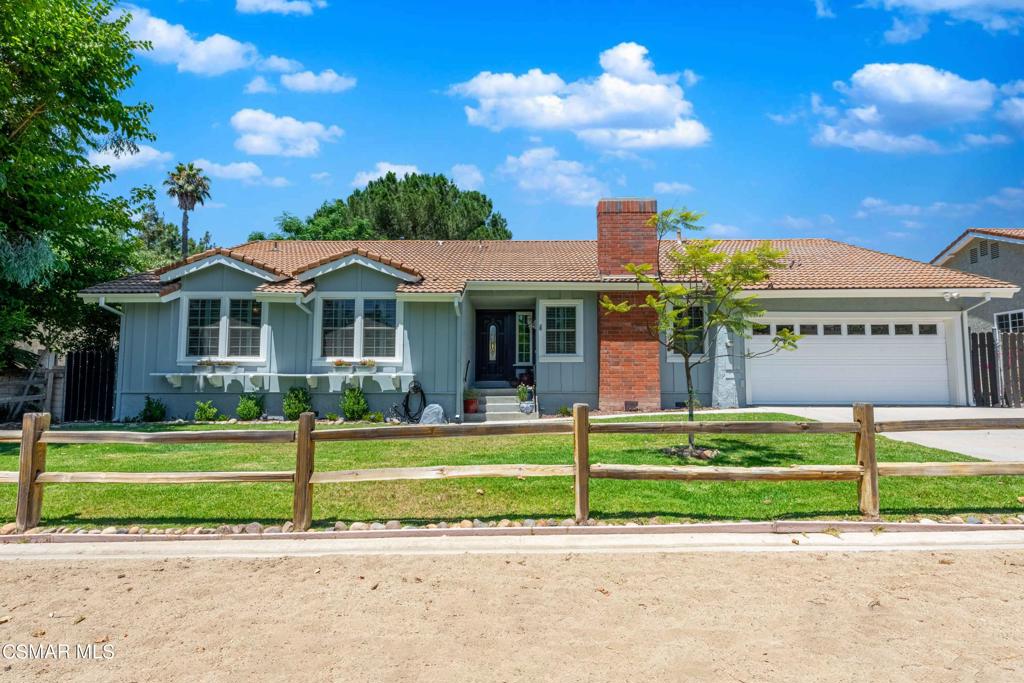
(470, 401)
(526, 402)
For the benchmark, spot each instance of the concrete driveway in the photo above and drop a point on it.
(1007, 444)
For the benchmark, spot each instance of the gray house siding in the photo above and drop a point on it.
(1009, 267)
(562, 384)
(149, 344)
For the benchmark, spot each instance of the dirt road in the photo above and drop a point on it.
(937, 616)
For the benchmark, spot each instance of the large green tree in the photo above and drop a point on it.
(157, 241)
(64, 68)
(417, 206)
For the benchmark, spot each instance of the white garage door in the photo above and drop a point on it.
(840, 362)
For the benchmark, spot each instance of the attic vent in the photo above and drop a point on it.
(974, 255)
(983, 248)
(995, 250)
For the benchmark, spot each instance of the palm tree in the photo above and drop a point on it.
(187, 184)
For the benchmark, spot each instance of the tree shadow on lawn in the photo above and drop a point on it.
(734, 452)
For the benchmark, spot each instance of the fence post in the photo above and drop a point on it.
(32, 461)
(581, 459)
(867, 486)
(302, 499)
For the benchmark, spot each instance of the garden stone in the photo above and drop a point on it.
(237, 528)
(466, 524)
(517, 523)
(955, 520)
(272, 530)
(431, 526)
(504, 523)
(134, 530)
(288, 526)
(377, 526)
(477, 524)
(542, 522)
(529, 522)
(253, 528)
(8, 528)
(442, 525)
(95, 532)
(973, 520)
(925, 520)
(358, 526)
(568, 522)
(340, 526)
(393, 524)
(110, 530)
(223, 529)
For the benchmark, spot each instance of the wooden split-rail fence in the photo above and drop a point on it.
(35, 435)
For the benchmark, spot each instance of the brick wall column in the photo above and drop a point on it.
(630, 368)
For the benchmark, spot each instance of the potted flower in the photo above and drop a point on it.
(470, 401)
(525, 395)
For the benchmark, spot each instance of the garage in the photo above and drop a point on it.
(890, 361)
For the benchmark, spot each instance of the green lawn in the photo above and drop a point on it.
(420, 502)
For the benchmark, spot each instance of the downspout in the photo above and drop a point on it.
(302, 307)
(969, 388)
(106, 307)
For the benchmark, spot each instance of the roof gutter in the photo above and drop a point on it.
(107, 307)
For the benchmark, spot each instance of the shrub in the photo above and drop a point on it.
(333, 417)
(250, 407)
(205, 412)
(296, 402)
(564, 411)
(376, 416)
(353, 404)
(154, 410)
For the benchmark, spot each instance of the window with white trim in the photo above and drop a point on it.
(562, 337)
(1011, 321)
(338, 331)
(354, 327)
(229, 327)
(524, 338)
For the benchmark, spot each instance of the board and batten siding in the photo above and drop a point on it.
(562, 384)
(149, 344)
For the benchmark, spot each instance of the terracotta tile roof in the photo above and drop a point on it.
(446, 267)
(1012, 233)
(236, 253)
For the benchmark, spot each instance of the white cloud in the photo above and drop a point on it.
(891, 106)
(672, 187)
(992, 15)
(304, 7)
(145, 156)
(258, 85)
(822, 10)
(628, 106)
(873, 206)
(320, 176)
(542, 175)
(690, 78)
(802, 224)
(245, 171)
(906, 31)
(1008, 198)
(724, 230)
(261, 132)
(1012, 111)
(326, 81)
(279, 64)
(1013, 88)
(381, 169)
(467, 176)
(978, 140)
(173, 44)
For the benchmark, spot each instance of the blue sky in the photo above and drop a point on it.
(888, 123)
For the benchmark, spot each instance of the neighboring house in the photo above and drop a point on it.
(453, 314)
(997, 253)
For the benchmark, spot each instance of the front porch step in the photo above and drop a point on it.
(499, 401)
(500, 417)
(484, 392)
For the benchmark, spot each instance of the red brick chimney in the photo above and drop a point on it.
(630, 371)
(623, 235)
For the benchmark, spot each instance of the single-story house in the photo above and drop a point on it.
(997, 253)
(268, 315)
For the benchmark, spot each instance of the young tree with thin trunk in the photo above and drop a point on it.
(702, 293)
(189, 186)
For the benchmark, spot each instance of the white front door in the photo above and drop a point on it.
(845, 361)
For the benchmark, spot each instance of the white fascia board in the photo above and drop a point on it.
(120, 298)
(967, 239)
(428, 297)
(997, 293)
(217, 260)
(356, 260)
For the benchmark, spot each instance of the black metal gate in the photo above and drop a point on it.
(89, 385)
(997, 365)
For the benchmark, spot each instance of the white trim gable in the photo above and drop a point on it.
(961, 243)
(356, 260)
(218, 260)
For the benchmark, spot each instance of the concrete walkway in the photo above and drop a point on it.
(617, 543)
